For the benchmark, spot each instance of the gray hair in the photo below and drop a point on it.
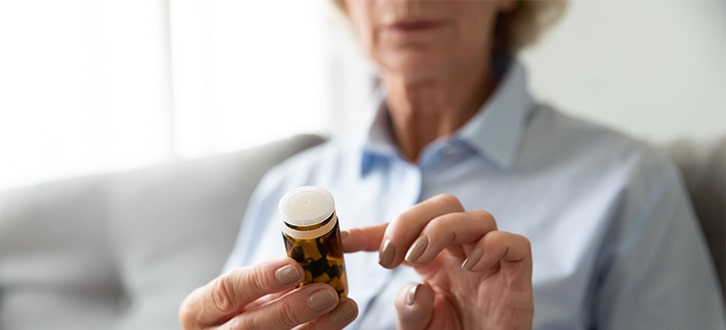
(525, 24)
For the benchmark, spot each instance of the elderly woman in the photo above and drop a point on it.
(593, 230)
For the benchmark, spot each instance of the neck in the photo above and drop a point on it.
(423, 110)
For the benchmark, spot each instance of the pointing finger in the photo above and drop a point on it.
(363, 239)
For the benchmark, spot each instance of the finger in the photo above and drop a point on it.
(407, 227)
(229, 293)
(500, 247)
(295, 308)
(363, 239)
(450, 230)
(342, 315)
(414, 305)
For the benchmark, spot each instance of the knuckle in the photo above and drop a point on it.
(221, 294)
(440, 230)
(439, 224)
(257, 282)
(286, 314)
(485, 216)
(492, 239)
(498, 236)
(404, 218)
(526, 243)
(448, 200)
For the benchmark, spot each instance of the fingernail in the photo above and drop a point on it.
(343, 313)
(417, 249)
(411, 294)
(385, 257)
(473, 258)
(344, 234)
(287, 274)
(321, 300)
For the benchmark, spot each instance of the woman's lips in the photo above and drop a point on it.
(410, 26)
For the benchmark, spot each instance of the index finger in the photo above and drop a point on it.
(228, 294)
(363, 238)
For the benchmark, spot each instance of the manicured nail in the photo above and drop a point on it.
(344, 234)
(343, 313)
(411, 294)
(321, 300)
(287, 274)
(388, 251)
(473, 258)
(417, 248)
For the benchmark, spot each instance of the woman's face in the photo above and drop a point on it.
(421, 38)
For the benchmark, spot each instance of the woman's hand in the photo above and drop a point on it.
(262, 297)
(475, 277)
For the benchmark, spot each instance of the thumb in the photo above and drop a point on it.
(414, 304)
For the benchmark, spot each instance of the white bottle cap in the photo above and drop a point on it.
(307, 206)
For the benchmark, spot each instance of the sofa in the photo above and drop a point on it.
(121, 250)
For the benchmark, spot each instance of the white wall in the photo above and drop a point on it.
(93, 86)
(246, 72)
(83, 88)
(654, 69)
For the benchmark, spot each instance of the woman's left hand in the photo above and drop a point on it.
(475, 276)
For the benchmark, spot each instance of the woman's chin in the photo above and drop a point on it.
(413, 67)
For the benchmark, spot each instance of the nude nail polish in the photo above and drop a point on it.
(287, 274)
(344, 312)
(417, 249)
(411, 294)
(387, 253)
(321, 300)
(473, 258)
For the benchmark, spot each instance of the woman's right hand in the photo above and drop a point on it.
(263, 296)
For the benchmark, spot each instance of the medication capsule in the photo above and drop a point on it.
(312, 236)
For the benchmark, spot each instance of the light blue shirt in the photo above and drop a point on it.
(614, 240)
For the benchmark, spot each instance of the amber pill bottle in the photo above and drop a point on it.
(312, 236)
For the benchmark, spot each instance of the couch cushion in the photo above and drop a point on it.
(56, 270)
(121, 251)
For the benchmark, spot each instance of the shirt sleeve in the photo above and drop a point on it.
(657, 273)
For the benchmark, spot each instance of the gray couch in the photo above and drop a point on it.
(120, 251)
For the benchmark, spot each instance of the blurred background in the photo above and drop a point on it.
(91, 86)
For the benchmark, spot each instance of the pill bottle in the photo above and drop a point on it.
(312, 236)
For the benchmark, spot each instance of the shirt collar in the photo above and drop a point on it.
(497, 129)
(378, 144)
(495, 132)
